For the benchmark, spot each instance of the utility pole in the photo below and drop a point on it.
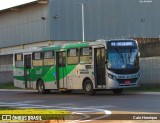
(82, 5)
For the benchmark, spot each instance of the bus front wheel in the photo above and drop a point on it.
(88, 87)
(41, 88)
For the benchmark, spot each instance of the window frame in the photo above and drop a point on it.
(81, 55)
(77, 55)
(53, 58)
(41, 58)
(48, 51)
(82, 52)
(18, 60)
(41, 55)
(21, 57)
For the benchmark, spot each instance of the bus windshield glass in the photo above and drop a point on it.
(122, 58)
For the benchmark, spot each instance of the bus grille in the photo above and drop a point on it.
(127, 81)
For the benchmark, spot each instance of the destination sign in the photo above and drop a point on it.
(122, 44)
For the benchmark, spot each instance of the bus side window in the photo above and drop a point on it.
(49, 58)
(86, 55)
(37, 59)
(72, 55)
(62, 59)
(18, 60)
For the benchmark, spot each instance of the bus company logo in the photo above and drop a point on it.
(6, 117)
(21, 118)
(39, 71)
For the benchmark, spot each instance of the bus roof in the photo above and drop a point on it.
(68, 45)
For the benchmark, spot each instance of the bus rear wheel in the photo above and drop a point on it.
(41, 88)
(88, 87)
(117, 91)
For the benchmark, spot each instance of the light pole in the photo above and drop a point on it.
(82, 5)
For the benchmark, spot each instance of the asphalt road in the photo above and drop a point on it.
(102, 103)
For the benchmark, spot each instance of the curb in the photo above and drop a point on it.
(18, 90)
(152, 93)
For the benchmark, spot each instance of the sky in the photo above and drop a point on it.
(11, 3)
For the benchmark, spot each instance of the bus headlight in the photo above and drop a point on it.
(112, 77)
(139, 75)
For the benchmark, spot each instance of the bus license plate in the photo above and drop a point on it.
(127, 81)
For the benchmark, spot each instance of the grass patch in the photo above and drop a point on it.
(7, 86)
(7, 108)
(32, 111)
(32, 114)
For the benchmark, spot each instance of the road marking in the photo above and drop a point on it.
(106, 114)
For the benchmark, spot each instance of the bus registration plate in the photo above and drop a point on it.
(127, 81)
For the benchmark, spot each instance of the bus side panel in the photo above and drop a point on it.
(18, 71)
(69, 70)
(77, 75)
(37, 73)
(18, 75)
(49, 77)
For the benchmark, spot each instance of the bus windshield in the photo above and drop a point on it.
(126, 58)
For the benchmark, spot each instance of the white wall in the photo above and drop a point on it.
(150, 70)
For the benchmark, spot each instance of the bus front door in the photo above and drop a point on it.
(99, 65)
(61, 70)
(27, 67)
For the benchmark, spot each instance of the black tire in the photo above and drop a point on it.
(117, 91)
(88, 87)
(41, 88)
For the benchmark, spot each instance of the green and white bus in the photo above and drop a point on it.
(88, 66)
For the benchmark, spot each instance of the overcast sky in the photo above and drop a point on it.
(10, 3)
